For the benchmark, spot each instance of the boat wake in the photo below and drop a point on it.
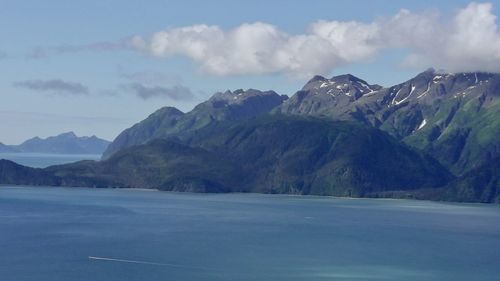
(145, 262)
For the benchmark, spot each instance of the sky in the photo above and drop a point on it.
(96, 67)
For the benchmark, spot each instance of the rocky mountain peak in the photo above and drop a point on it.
(346, 86)
(241, 96)
(347, 78)
(167, 111)
(431, 85)
(469, 78)
(229, 95)
(316, 78)
(68, 135)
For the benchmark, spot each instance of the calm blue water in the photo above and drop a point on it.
(42, 160)
(47, 234)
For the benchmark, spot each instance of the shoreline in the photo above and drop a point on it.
(300, 196)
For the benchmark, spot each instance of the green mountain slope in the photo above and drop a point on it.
(271, 154)
(170, 122)
(453, 117)
(482, 184)
(156, 125)
(13, 173)
(286, 154)
(462, 134)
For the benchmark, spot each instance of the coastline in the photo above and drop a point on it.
(283, 195)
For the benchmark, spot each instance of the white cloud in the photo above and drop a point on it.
(351, 41)
(469, 41)
(262, 48)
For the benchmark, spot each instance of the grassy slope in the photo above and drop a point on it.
(470, 137)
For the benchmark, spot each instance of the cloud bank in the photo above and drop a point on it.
(469, 41)
(176, 92)
(56, 86)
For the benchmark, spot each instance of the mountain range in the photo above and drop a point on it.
(66, 143)
(453, 117)
(435, 136)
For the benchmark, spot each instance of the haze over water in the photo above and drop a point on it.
(43, 160)
(48, 234)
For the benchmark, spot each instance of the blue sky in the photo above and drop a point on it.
(72, 66)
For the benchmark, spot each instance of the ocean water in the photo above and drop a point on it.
(42, 160)
(48, 234)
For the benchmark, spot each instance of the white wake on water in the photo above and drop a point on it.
(145, 262)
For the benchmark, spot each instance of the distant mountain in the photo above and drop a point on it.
(454, 117)
(270, 154)
(170, 122)
(6, 148)
(66, 143)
